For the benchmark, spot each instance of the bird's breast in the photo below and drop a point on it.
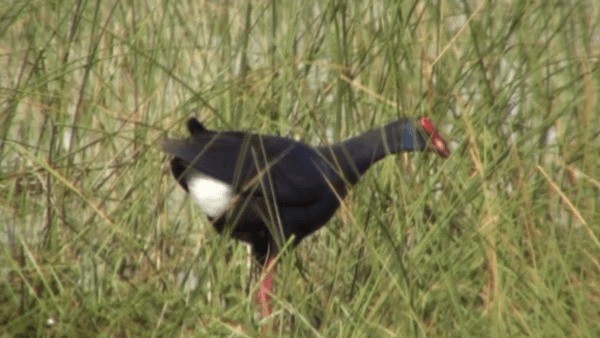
(212, 195)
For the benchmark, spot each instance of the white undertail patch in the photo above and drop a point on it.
(212, 195)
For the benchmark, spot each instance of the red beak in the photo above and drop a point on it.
(436, 141)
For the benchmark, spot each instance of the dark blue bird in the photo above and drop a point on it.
(266, 190)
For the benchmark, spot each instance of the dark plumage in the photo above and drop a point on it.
(265, 190)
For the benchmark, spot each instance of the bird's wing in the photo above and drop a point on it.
(255, 164)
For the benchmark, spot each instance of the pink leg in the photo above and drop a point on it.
(266, 287)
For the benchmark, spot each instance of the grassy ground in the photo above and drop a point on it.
(501, 239)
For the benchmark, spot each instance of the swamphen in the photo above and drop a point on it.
(266, 190)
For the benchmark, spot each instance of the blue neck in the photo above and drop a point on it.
(351, 158)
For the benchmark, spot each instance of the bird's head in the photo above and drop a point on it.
(433, 138)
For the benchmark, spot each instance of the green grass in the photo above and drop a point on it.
(501, 239)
